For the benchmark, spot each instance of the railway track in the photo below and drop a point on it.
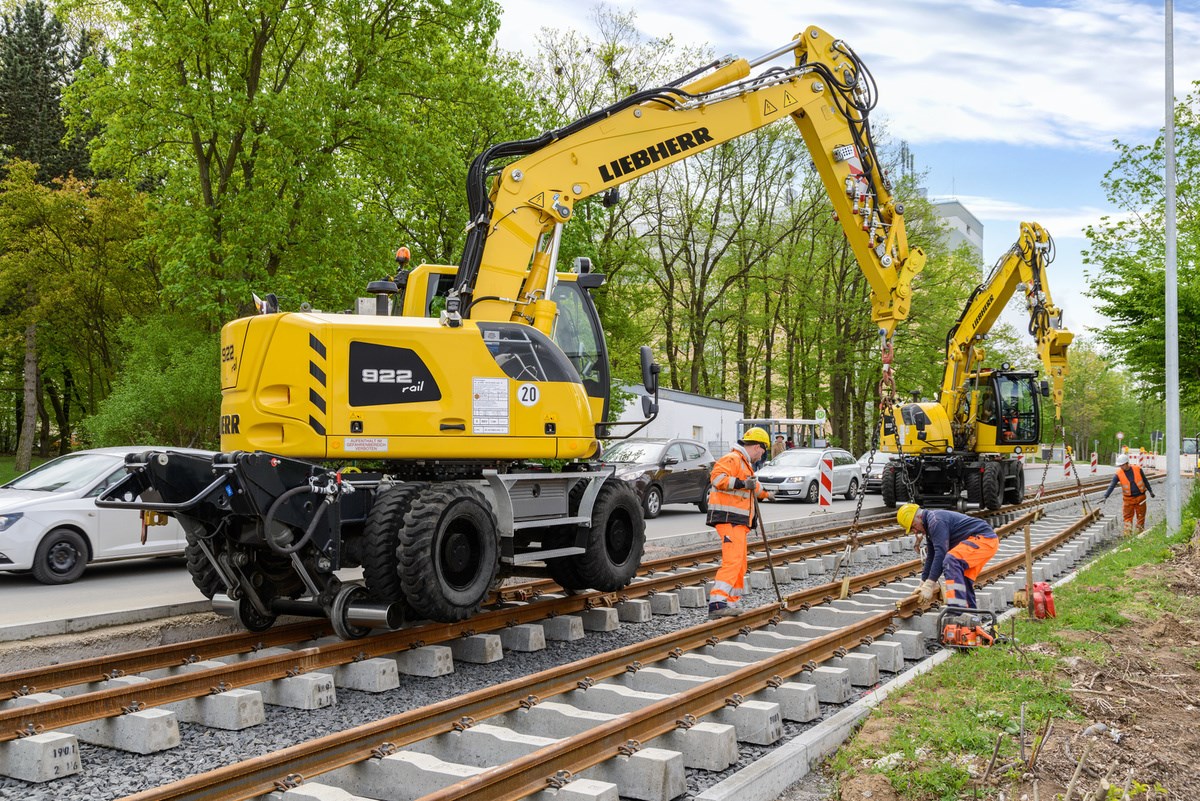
(186, 675)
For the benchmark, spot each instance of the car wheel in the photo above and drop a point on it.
(653, 503)
(61, 557)
(703, 504)
(852, 490)
(814, 493)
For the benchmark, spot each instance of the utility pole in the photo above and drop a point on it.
(1174, 440)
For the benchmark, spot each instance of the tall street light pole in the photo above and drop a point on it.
(1174, 440)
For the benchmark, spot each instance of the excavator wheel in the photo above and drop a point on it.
(892, 486)
(1016, 493)
(993, 485)
(347, 595)
(204, 575)
(616, 539)
(250, 618)
(381, 557)
(449, 552)
(974, 482)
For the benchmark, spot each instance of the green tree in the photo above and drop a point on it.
(269, 127)
(1126, 256)
(70, 273)
(38, 60)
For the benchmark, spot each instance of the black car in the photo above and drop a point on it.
(663, 471)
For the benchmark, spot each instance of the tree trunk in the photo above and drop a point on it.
(29, 419)
(43, 419)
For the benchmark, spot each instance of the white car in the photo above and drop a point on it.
(796, 473)
(50, 524)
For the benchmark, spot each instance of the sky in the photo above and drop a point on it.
(1009, 107)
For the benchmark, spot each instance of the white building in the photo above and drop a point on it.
(713, 421)
(965, 227)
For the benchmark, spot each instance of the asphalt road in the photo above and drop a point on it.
(150, 584)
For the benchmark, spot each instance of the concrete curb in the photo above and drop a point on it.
(767, 778)
(74, 625)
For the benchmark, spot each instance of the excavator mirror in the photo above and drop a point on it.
(611, 197)
(649, 407)
(649, 371)
(1045, 388)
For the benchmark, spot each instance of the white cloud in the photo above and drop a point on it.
(1074, 72)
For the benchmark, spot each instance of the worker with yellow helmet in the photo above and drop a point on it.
(732, 491)
(958, 547)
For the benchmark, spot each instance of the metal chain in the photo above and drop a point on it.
(1075, 468)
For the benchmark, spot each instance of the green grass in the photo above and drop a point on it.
(962, 706)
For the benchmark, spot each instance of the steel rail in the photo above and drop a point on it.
(530, 773)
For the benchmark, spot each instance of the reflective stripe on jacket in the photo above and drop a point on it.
(1139, 484)
(726, 502)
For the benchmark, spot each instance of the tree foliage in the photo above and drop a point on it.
(1127, 257)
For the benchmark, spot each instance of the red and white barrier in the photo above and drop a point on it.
(1095, 461)
(1068, 465)
(826, 481)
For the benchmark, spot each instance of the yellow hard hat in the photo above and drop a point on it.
(756, 434)
(905, 515)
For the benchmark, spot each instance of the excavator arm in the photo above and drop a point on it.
(1022, 268)
(507, 269)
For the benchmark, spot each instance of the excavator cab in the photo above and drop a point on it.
(1008, 411)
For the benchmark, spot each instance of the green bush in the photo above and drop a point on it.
(168, 392)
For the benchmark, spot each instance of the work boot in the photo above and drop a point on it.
(721, 609)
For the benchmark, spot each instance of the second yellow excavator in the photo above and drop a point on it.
(964, 449)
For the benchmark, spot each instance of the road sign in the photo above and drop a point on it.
(820, 414)
(1120, 435)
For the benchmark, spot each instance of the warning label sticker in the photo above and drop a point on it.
(489, 406)
(365, 445)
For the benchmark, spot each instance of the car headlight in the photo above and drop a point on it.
(797, 479)
(6, 521)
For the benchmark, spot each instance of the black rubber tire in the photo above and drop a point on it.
(814, 493)
(852, 490)
(61, 557)
(449, 552)
(381, 549)
(652, 506)
(1016, 493)
(974, 484)
(562, 570)
(204, 574)
(615, 542)
(250, 618)
(887, 484)
(703, 504)
(993, 485)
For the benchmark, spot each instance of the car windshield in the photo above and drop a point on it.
(797, 459)
(880, 458)
(633, 452)
(66, 473)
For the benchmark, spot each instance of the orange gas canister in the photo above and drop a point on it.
(1043, 600)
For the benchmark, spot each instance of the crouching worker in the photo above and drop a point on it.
(958, 546)
(731, 493)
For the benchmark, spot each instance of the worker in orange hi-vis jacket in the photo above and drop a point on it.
(1134, 488)
(732, 490)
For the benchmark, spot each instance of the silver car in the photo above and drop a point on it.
(872, 469)
(796, 473)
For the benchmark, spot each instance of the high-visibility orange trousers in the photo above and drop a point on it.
(962, 567)
(1134, 508)
(730, 580)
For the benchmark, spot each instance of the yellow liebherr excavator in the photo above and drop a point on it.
(493, 361)
(963, 449)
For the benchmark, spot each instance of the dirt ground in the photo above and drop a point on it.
(1142, 712)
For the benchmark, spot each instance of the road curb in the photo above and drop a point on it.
(75, 625)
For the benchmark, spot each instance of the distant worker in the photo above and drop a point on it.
(779, 446)
(958, 547)
(731, 508)
(1134, 488)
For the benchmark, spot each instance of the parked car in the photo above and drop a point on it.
(663, 471)
(872, 469)
(796, 473)
(50, 524)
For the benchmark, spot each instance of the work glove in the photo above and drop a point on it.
(926, 590)
(749, 483)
